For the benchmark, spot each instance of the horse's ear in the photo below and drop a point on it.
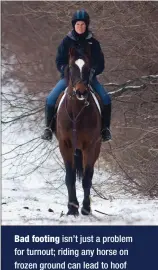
(66, 73)
(88, 53)
(72, 52)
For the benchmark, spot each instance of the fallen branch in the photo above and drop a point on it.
(103, 213)
(127, 85)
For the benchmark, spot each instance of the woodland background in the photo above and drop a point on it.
(128, 34)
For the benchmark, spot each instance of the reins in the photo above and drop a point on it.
(74, 120)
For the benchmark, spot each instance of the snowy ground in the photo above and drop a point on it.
(28, 204)
(27, 199)
(34, 192)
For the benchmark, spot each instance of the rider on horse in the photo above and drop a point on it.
(79, 38)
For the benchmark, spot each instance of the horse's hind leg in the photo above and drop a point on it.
(70, 179)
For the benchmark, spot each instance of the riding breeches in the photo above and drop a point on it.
(62, 84)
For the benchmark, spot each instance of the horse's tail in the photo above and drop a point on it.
(78, 163)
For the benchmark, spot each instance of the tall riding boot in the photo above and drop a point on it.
(50, 123)
(106, 118)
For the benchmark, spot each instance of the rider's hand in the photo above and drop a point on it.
(62, 69)
(92, 73)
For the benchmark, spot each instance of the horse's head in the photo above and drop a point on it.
(78, 75)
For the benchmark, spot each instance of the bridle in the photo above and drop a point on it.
(76, 92)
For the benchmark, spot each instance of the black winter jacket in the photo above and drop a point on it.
(70, 42)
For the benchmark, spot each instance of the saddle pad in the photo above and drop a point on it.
(93, 95)
(61, 100)
(96, 102)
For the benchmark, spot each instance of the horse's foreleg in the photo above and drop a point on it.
(89, 158)
(70, 179)
(87, 184)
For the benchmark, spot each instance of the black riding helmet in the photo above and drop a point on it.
(80, 15)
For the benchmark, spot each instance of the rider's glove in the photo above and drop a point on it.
(62, 69)
(91, 75)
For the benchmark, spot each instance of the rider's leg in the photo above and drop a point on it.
(106, 114)
(50, 109)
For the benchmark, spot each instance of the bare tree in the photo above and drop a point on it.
(31, 32)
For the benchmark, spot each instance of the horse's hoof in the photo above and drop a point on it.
(73, 208)
(86, 211)
(73, 212)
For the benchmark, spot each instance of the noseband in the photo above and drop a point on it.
(78, 95)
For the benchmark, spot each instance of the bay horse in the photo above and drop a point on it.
(78, 129)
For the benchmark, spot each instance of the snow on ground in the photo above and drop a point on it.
(27, 199)
(34, 192)
(28, 204)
